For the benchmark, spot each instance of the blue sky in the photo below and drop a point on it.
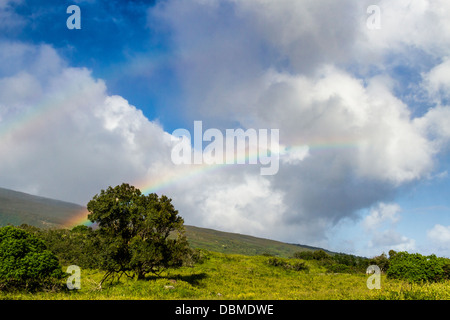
(116, 42)
(376, 101)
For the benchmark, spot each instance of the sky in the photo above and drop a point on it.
(359, 91)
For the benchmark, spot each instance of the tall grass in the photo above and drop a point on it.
(230, 276)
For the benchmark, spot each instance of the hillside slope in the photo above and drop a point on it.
(17, 208)
(235, 243)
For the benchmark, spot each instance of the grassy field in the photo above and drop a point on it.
(231, 276)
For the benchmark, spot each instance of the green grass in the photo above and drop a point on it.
(231, 276)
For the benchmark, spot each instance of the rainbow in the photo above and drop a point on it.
(184, 173)
(34, 120)
(79, 218)
(49, 107)
(154, 185)
(164, 181)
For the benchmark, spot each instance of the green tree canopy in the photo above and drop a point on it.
(140, 233)
(25, 261)
(416, 268)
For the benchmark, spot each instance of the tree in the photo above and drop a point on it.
(79, 246)
(320, 255)
(139, 233)
(416, 268)
(381, 261)
(25, 261)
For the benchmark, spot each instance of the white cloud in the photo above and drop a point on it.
(311, 69)
(64, 137)
(11, 22)
(436, 125)
(294, 155)
(408, 28)
(315, 71)
(440, 235)
(437, 80)
(383, 212)
(380, 227)
(336, 108)
(246, 206)
(391, 239)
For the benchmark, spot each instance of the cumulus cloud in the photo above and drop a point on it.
(380, 226)
(288, 65)
(391, 239)
(311, 69)
(406, 24)
(380, 214)
(437, 80)
(440, 235)
(435, 123)
(64, 136)
(336, 108)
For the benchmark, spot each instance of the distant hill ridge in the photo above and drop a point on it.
(18, 208)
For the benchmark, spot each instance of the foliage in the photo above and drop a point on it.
(134, 231)
(335, 263)
(79, 246)
(288, 264)
(381, 261)
(416, 268)
(312, 255)
(25, 261)
(230, 276)
(222, 276)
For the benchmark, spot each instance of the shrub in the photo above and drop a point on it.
(288, 265)
(381, 261)
(25, 261)
(319, 255)
(79, 246)
(416, 268)
(335, 263)
(338, 268)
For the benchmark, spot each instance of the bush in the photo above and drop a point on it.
(288, 265)
(381, 261)
(338, 268)
(416, 268)
(25, 262)
(79, 246)
(318, 255)
(335, 263)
